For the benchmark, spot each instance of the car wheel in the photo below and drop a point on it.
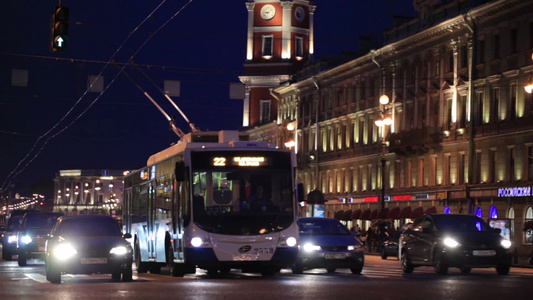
(439, 265)
(357, 270)
(22, 260)
(331, 270)
(407, 267)
(127, 274)
(465, 270)
(142, 267)
(503, 269)
(297, 269)
(52, 273)
(383, 254)
(115, 275)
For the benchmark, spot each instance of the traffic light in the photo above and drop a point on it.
(60, 29)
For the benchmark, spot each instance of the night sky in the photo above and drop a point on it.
(54, 124)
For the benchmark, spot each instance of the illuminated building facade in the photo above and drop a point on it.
(89, 192)
(461, 140)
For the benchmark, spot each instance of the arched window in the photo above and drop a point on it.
(528, 226)
(479, 212)
(493, 212)
(510, 213)
(447, 209)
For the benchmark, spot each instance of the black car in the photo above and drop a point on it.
(88, 244)
(454, 240)
(9, 240)
(31, 237)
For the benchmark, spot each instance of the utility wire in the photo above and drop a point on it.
(17, 171)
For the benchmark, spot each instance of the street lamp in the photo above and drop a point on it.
(384, 120)
(529, 86)
(291, 142)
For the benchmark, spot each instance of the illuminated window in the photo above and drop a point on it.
(479, 212)
(528, 226)
(493, 213)
(267, 46)
(299, 47)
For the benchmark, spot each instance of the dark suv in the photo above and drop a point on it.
(453, 240)
(9, 240)
(31, 239)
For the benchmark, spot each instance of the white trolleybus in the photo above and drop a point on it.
(213, 205)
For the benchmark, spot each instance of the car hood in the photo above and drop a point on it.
(100, 242)
(329, 240)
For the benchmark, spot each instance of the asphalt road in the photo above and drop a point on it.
(380, 279)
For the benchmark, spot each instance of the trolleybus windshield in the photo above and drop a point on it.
(242, 193)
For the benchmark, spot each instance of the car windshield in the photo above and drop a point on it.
(460, 223)
(38, 220)
(14, 223)
(89, 227)
(322, 227)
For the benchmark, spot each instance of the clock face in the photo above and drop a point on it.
(299, 14)
(268, 12)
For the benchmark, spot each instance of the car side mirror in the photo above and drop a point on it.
(127, 235)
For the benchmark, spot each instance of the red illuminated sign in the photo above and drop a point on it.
(371, 199)
(401, 198)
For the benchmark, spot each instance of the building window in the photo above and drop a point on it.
(514, 40)
(512, 175)
(265, 111)
(528, 226)
(267, 46)
(299, 47)
(492, 165)
(529, 160)
(493, 212)
(464, 56)
(512, 99)
(461, 169)
(477, 171)
(479, 212)
(495, 104)
(420, 175)
(481, 51)
(496, 46)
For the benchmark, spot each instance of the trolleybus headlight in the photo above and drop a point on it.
(506, 244)
(196, 242)
(287, 242)
(64, 251)
(120, 250)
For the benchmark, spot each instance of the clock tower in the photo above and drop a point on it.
(279, 43)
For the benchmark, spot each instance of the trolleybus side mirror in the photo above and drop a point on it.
(300, 192)
(179, 171)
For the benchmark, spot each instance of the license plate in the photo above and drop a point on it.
(484, 252)
(245, 257)
(94, 260)
(335, 256)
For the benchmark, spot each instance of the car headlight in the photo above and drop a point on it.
(310, 247)
(287, 242)
(449, 242)
(64, 251)
(120, 250)
(354, 247)
(12, 239)
(25, 239)
(506, 244)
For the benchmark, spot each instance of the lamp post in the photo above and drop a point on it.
(383, 121)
